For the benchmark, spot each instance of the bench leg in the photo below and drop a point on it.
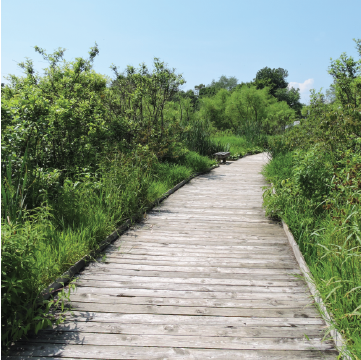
(224, 160)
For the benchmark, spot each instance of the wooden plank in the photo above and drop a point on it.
(174, 251)
(179, 294)
(210, 243)
(200, 261)
(204, 246)
(209, 224)
(220, 249)
(180, 274)
(43, 351)
(190, 330)
(216, 270)
(271, 233)
(88, 275)
(220, 303)
(203, 342)
(196, 262)
(258, 219)
(167, 246)
(163, 254)
(166, 319)
(247, 229)
(153, 233)
(306, 312)
(184, 258)
(189, 287)
(202, 210)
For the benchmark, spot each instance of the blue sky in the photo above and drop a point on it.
(201, 39)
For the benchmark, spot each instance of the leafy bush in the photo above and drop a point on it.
(312, 173)
(22, 310)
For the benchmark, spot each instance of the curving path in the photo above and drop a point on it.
(205, 276)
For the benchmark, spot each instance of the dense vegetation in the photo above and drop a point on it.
(316, 171)
(81, 153)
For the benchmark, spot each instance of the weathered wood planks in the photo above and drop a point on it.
(204, 276)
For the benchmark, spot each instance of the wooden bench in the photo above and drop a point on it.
(222, 156)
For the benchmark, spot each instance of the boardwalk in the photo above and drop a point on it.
(206, 276)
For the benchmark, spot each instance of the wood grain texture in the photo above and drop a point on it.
(205, 275)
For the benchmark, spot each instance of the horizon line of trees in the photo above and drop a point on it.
(273, 79)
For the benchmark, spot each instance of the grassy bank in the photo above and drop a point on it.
(328, 232)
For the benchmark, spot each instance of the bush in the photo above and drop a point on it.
(312, 173)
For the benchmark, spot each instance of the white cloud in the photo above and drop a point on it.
(304, 87)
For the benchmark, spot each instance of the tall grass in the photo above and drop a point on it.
(325, 218)
(198, 139)
(13, 191)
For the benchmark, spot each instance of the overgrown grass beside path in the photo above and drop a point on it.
(54, 237)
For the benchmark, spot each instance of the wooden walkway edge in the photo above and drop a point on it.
(205, 276)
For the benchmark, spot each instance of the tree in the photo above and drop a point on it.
(279, 114)
(208, 91)
(274, 79)
(291, 96)
(246, 109)
(330, 94)
(213, 109)
(346, 76)
(136, 105)
(224, 82)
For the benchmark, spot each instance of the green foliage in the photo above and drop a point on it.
(246, 111)
(136, 104)
(57, 117)
(213, 110)
(292, 97)
(275, 80)
(225, 82)
(13, 192)
(80, 154)
(347, 80)
(279, 115)
(316, 170)
(312, 173)
(22, 310)
(197, 136)
(208, 91)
